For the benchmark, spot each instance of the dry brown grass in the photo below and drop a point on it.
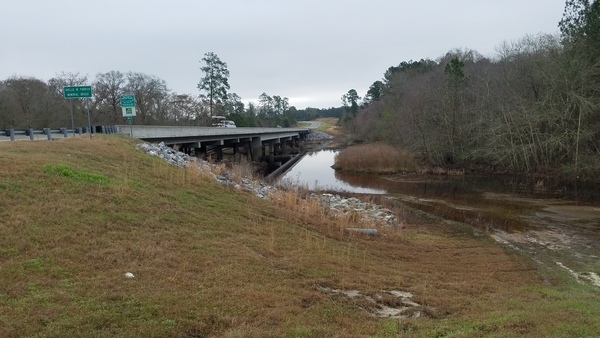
(442, 171)
(375, 158)
(212, 261)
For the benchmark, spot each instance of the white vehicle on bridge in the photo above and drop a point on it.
(222, 122)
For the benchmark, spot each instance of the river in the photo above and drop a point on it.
(556, 221)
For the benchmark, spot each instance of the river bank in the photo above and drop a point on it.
(557, 234)
(549, 225)
(212, 260)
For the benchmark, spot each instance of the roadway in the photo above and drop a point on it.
(312, 124)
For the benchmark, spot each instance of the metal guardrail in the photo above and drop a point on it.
(14, 134)
(152, 131)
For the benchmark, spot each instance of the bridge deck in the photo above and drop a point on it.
(176, 134)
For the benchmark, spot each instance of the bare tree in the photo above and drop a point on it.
(108, 88)
(150, 94)
(184, 109)
(30, 100)
(56, 85)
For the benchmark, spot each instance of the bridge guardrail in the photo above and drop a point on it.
(21, 134)
(14, 134)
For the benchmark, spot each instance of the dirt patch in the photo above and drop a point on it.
(562, 235)
(383, 304)
(548, 230)
(587, 276)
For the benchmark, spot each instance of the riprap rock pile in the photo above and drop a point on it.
(369, 212)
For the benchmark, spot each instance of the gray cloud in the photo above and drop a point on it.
(310, 51)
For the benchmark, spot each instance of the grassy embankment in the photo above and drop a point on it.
(209, 260)
(329, 125)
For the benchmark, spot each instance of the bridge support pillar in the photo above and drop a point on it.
(271, 152)
(255, 148)
(201, 150)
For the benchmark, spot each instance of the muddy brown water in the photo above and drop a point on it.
(553, 222)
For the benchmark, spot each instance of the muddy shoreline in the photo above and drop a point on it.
(556, 232)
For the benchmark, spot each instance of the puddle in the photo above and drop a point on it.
(572, 213)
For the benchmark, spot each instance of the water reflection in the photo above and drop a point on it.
(314, 172)
(500, 202)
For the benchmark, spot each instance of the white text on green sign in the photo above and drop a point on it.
(127, 101)
(77, 92)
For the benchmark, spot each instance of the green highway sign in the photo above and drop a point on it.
(127, 101)
(77, 92)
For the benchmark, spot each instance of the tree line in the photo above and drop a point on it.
(28, 102)
(534, 107)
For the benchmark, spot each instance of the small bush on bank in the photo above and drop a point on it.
(375, 158)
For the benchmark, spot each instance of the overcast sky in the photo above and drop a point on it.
(311, 51)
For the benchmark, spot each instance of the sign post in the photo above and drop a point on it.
(128, 109)
(72, 119)
(79, 92)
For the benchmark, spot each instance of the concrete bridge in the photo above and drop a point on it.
(268, 143)
(272, 144)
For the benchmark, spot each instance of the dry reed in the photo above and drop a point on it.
(375, 158)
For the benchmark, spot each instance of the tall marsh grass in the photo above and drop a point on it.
(375, 158)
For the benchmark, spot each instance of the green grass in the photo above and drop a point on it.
(65, 171)
(208, 260)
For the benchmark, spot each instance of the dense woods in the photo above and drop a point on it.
(534, 107)
(31, 102)
(28, 102)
